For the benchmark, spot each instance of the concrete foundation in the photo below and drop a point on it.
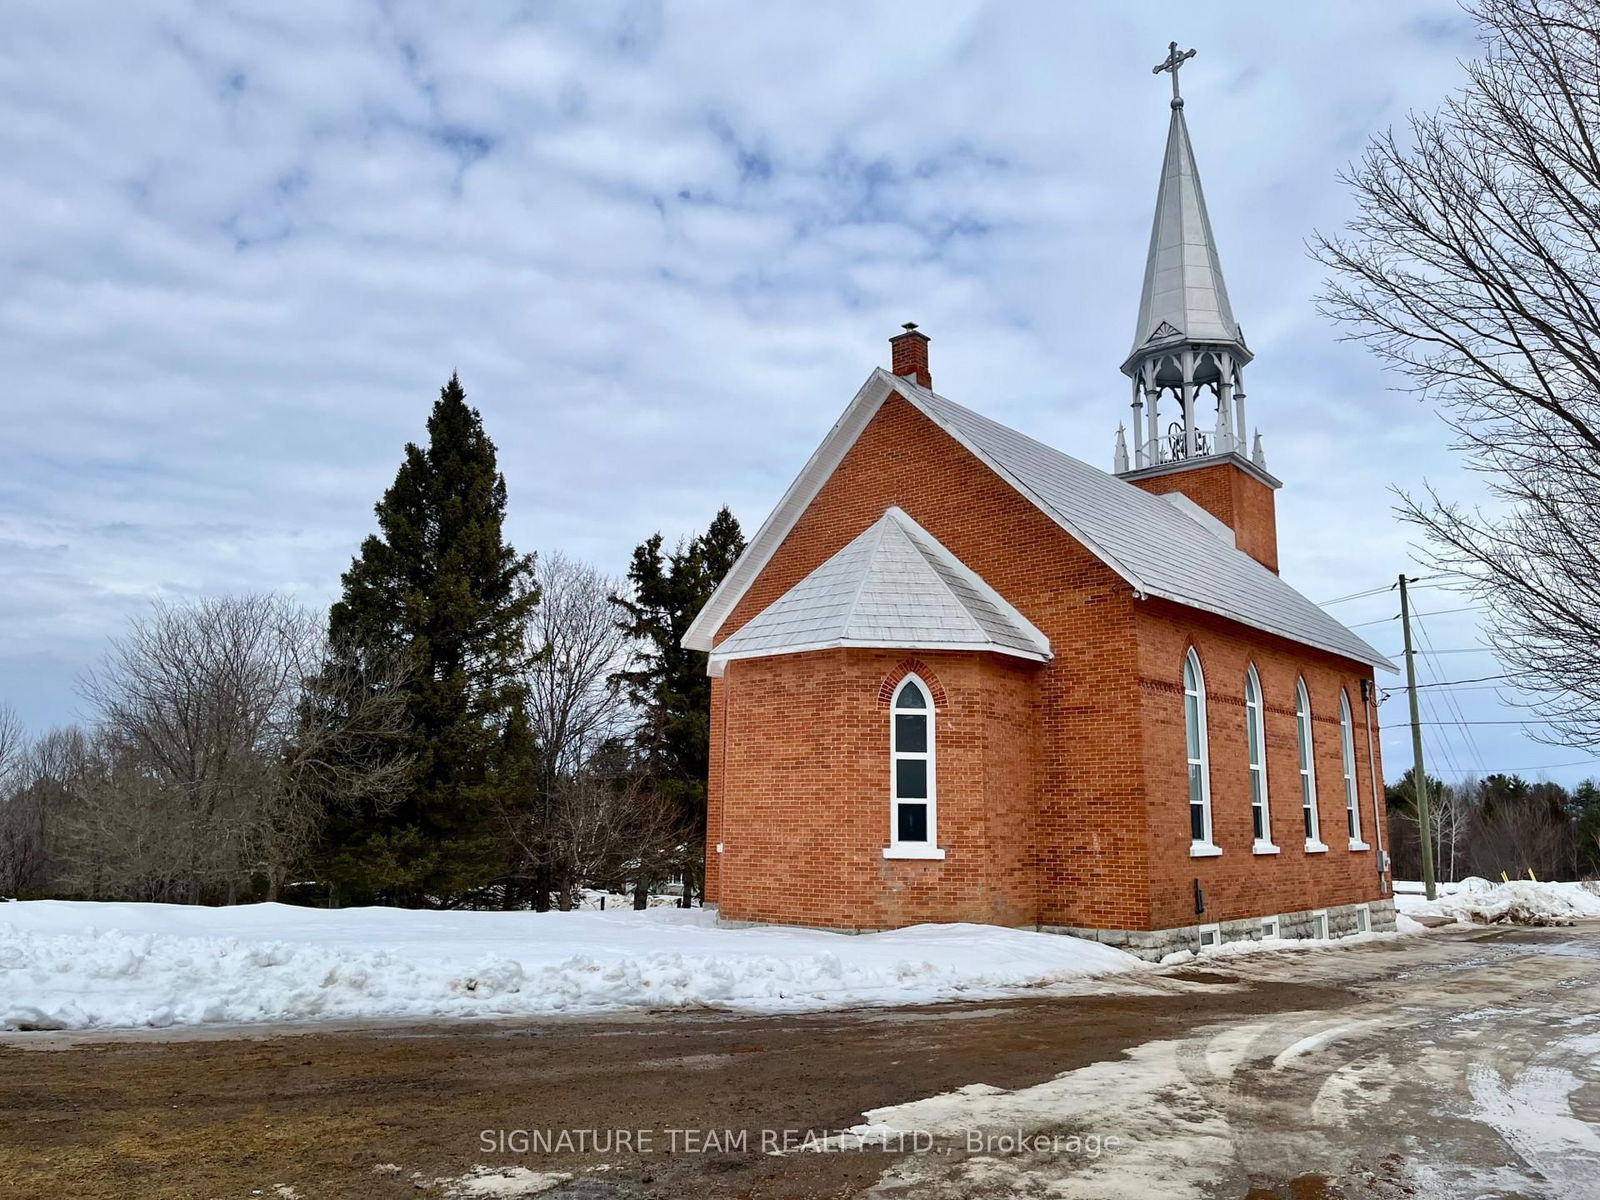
(1155, 944)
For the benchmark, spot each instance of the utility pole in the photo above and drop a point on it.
(1419, 777)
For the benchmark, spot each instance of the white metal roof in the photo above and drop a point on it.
(896, 586)
(1184, 295)
(1153, 545)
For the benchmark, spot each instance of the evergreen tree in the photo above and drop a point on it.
(668, 682)
(439, 586)
(1586, 805)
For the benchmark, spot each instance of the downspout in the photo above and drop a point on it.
(1372, 774)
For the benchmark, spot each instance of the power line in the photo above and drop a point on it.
(1476, 678)
(1525, 721)
(1358, 595)
(1391, 693)
(1439, 612)
(1581, 762)
(1451, 701)
(1455, 650)
(1412, 582)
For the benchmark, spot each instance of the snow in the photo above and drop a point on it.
(497, 1182)
(1517, 902)
(1139, 1125)
(81, 965)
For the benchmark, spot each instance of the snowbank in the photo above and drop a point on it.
(66, 965)
(1519, 902)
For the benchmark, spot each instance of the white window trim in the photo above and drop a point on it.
(1214, 930)
(1269, 927)
(1306, 744)
(930, 849)
(1352, 791)
(1363, 918)
(1204, 847)
(1255, 717)
(1320, 929)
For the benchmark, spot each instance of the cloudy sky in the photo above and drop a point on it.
(243, 244)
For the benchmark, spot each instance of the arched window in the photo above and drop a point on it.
(1347, 747)
(1255, 726)
(911, 773)
(1308, 767)
(1194, 722)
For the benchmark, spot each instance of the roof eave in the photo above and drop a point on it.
(1369, 656)
(719, 658)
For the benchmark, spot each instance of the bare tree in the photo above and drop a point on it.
(607, 832)
(575, 647)
(19, 848)
(1516, 836)
(1473, 270)
(225, 739)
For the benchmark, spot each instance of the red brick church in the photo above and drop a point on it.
(959, 675)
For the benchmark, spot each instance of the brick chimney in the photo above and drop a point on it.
(910, 354)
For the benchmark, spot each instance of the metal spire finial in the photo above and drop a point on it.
(1175, 59)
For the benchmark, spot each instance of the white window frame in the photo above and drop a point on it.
(1214, 932)
(930, 848)
(1205, 846)
(1319, 924)
(1255, 731)
(1307, 745)
(1352, 789)
(1269, 927)
(1363, 918)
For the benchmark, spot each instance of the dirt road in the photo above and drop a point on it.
(1458, 1064)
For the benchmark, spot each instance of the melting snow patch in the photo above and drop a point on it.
(1518, 902)
(66, 965)
(495, 1183)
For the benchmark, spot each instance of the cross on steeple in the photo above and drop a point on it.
(1175, 59)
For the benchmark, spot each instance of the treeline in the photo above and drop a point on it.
(467, 725)
(1499, 824)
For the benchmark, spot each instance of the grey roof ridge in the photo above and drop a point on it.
(877, 527)
(926, 543)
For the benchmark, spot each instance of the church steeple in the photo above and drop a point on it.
(1187, 347)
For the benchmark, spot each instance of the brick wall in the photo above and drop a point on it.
(1239, 883)
(803, 839)
(1232, 495)
(1064, 800)
(1089, 815)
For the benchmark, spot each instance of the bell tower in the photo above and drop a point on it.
(1188, 359)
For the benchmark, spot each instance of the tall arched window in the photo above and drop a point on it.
(1255, 725)
(1347, 747)
(1308, 767)
(1194, 722)
(911, 773)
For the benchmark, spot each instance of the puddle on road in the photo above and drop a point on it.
(1303, 1187)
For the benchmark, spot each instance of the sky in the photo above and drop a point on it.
(243, 245)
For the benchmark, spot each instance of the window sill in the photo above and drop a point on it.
(1203, 850)
(1358, 844)
(1314, 847)
(928, 853)
(1264, 848)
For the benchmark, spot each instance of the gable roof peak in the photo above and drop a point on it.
(893, 586)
